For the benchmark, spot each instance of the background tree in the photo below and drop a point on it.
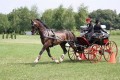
(81, 16)
(20, 18)
(34, 12)
(58, 18)
(14, 20)
(68, 19)
(47, 17)
(107, 17)
(4, 23)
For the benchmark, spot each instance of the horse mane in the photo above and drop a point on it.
(43, 23)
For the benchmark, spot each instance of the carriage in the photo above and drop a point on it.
(80, 47)
(93, 49)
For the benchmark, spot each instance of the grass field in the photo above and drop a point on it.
(17, 56)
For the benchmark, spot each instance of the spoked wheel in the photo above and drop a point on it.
(94, 54)
(109, 48)
(71, 54)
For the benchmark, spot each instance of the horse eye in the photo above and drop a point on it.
(32, 25)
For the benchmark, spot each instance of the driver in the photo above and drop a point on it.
(89, 30)
(99, 31)
(90, 26)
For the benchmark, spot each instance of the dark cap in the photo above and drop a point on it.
(97, 21)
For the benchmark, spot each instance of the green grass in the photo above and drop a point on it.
(115, 32)
(17, 56)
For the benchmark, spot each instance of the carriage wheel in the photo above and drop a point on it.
(109, 48)
(71, 54)
(94, 54)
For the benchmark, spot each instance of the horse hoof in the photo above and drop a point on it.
(79, 58)
(36, 61)
(57, 61)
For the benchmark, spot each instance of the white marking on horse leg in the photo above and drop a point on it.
(78, 57)
(37, 59)
(57, 61)
(77, 54)
(62, 58)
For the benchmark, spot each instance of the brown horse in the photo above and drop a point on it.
(50, 38)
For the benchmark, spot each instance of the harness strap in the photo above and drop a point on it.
(52, 36)
(52, 32)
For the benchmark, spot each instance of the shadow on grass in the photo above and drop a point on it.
(53, 63)
(76, 61)
(32, 64)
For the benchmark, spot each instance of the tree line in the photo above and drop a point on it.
(58, 18)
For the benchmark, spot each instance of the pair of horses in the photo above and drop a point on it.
(50, 38)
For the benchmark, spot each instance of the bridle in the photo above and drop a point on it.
(34, 28)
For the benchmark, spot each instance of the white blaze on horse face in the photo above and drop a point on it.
(34, 23)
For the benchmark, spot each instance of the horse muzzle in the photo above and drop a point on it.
(32, 32)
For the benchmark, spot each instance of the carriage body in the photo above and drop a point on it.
(99, 38)
(93, 49)
(81, 44)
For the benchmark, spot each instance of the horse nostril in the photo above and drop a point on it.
(32, 32)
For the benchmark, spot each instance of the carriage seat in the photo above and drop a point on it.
(100, 38)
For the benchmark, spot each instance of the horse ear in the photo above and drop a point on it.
(31, 20)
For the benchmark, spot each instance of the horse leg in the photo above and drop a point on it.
(39, 56)
(42, 50)
(48, 51)
(75, 49)
(64, 50)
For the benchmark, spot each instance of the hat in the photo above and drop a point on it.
(88, 20)
(97, 21)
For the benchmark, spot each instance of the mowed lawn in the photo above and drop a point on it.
(17, 57)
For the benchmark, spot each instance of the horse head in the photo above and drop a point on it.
(35, 25)
(38, 24)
